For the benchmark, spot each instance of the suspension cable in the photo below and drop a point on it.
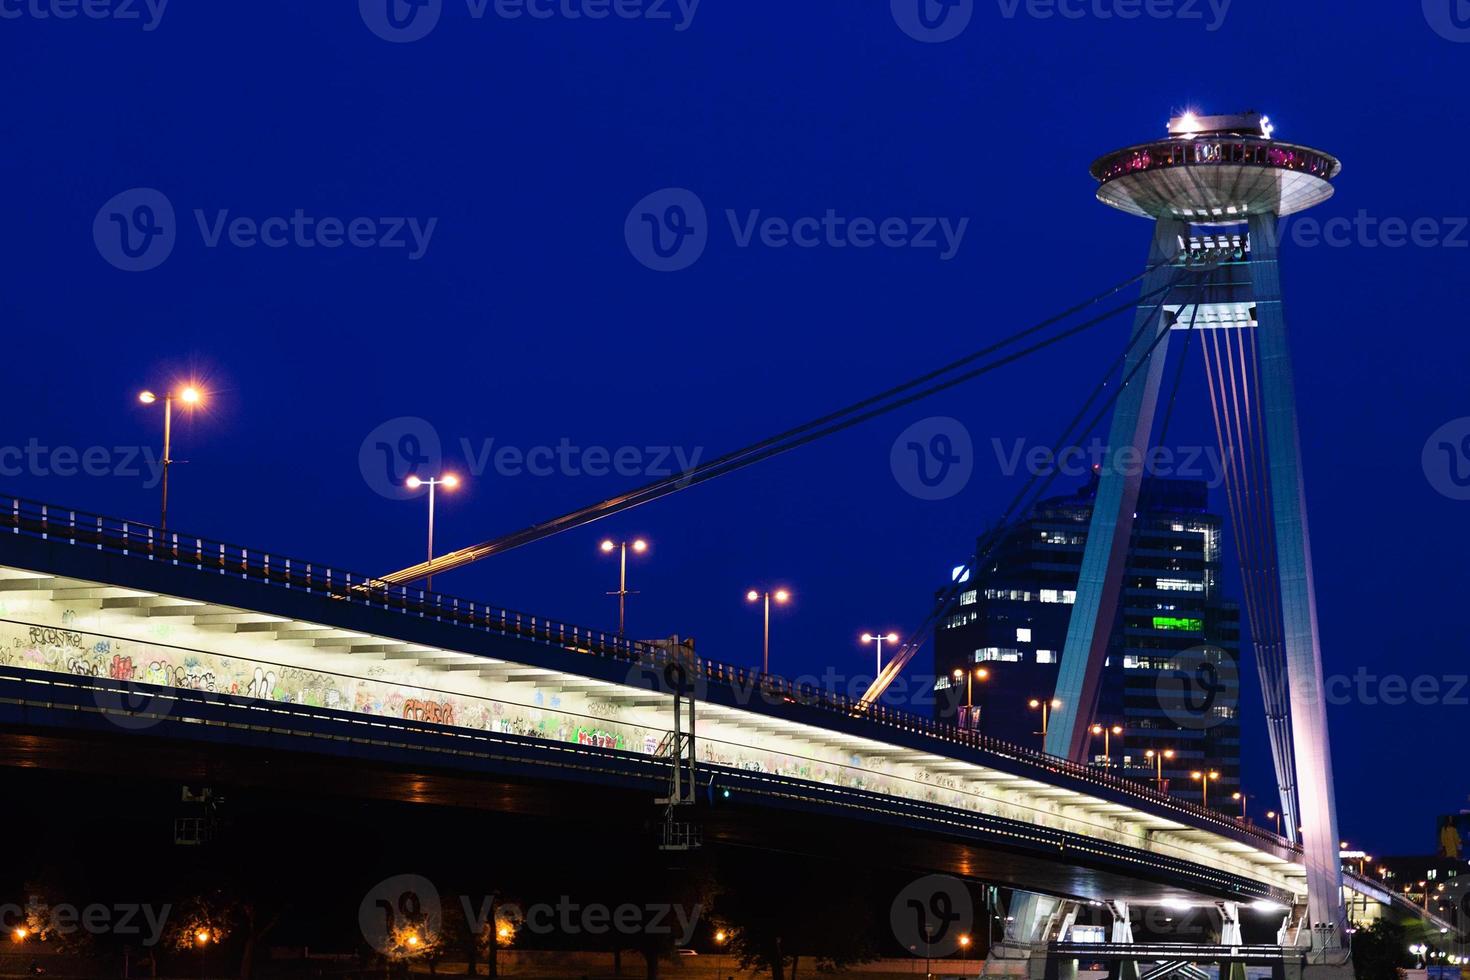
(833, 422)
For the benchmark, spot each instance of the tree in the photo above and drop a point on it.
(1380, 950)
(783, 909)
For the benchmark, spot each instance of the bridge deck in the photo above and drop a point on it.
(91, 595)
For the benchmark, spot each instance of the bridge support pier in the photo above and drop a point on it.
(1230, 935)
(1123, 934)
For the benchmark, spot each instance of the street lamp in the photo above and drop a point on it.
(1107, 733)
(1045, 707)
(1204, 780)
(1158, 759)
(782, 597)
(639, 546)
(1273, 814)
(880, 639)
(448, 481)
(969, 678)
(190, 396)
(1242, 798)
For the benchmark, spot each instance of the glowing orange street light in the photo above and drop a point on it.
(20, 934)
(448, 481)
(639, 546)
(1107, 733)
(782, 597)
(190, 396)
(1158, 758)
(202, 936)
(968, 676)
(1045, 707)
(1204, 780)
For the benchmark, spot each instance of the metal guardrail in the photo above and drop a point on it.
(145, 542)
(1191, 952)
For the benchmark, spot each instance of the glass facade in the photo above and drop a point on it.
(1171, 681)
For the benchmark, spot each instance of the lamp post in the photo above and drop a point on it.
(448, 482)
(1107, 733)
(782, 597)
(969, 679)
(1045, 707)
(190, 396)
(1243, 799)
(880, 639)
(639, 546)
(1158, 759)
(1273, 814)
(1204, 779)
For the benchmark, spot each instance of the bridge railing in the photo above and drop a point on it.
(145, 542)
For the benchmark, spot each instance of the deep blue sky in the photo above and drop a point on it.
(528, 320)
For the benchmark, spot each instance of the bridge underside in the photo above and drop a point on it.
(84, 726)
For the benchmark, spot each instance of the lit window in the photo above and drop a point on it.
(1069, 597)
(1050, 595)
(1046, 656)
(967, 598)
(997, 655)
(1023, 634)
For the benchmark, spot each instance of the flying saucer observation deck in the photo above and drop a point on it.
(1215, 179)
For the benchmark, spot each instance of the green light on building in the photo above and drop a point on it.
(1176, 623)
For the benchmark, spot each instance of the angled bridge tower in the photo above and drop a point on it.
(1216, 188)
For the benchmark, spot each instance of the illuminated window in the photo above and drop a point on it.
(967, 598)
(1046, 656)
(997, 655)
(1023, 634)
(1179, 623)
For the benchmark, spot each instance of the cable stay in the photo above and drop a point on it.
(998, 534)
(889, 400)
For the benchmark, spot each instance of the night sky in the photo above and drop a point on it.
(527, 319)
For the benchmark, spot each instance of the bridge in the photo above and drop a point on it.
(121, 635)
(113, 631)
